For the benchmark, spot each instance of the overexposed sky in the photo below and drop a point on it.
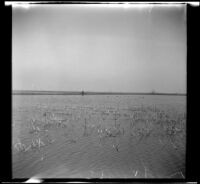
(99, 48)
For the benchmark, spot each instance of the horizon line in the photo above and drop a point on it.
(82, 92)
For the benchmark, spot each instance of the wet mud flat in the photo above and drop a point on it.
(98, 137)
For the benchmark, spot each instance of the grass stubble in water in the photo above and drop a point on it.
(143, 141)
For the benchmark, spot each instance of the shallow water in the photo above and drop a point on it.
(86, 152)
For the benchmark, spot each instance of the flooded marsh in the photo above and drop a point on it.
(98, 136)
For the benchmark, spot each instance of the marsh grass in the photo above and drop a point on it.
(106, 125)
(144, 122)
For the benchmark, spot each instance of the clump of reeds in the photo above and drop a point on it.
(20, 146)
(88, 129)
(35, 143)
(34, 128)
(145, 121)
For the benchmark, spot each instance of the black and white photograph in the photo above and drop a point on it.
(99, 90)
